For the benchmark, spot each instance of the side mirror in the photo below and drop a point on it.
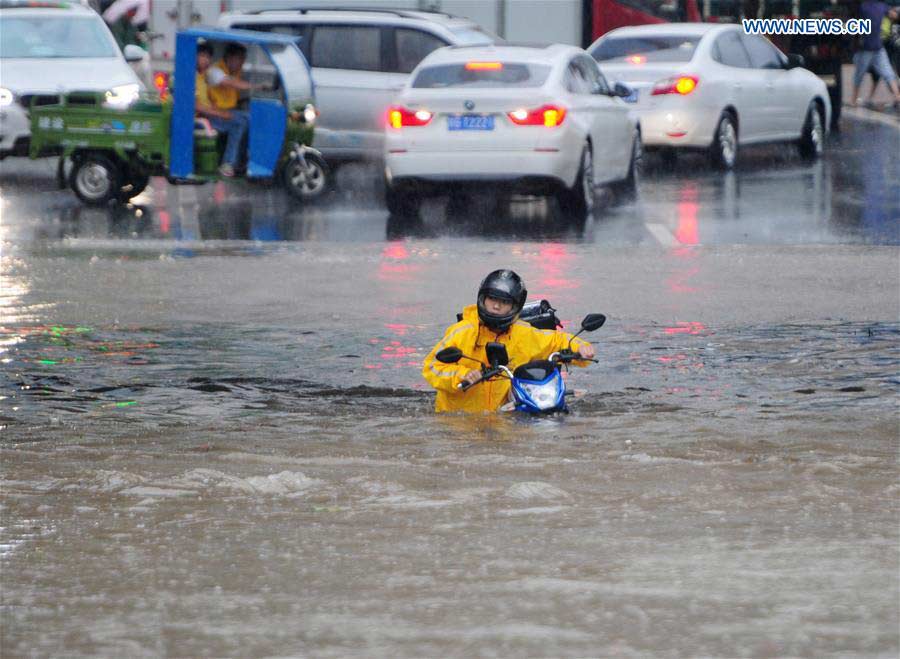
(622, 90)
(593, 321)
(496, 354)
(795, 61)
(449, 355)
(133, 53)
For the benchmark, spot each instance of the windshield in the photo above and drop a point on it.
(294, 72)
(482, 74)
(656, 48)
(39, 37)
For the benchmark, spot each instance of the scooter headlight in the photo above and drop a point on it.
(123, 95)
(544, 396)
(6, 97)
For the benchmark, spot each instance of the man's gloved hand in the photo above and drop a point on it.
(472, 377)
(586, 351)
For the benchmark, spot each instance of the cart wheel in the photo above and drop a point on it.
(95, 179)
(133, 186)
(306, 183)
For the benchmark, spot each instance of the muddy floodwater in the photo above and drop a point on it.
(226, 449)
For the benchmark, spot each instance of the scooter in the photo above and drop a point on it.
(538, 386)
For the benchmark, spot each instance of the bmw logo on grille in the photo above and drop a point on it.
(469, 105)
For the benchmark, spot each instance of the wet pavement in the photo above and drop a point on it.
(773, 198)
(216, 440)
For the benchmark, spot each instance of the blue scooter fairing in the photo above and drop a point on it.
(538, 388)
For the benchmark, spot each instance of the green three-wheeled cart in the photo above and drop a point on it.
(114, 148)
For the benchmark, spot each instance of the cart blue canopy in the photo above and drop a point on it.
(267, 116)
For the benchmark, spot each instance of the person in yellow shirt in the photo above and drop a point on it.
(494, 318)
(232, 123)
(225, 93)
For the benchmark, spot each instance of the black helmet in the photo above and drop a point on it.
(503, 285)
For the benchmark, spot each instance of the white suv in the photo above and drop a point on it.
(48, 48)
(360, 59)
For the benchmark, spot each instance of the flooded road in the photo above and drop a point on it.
(219, 444)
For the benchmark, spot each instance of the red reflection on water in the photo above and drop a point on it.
(678, 281)
(395, 250)
(673, 359)
(164, 221)
(396, 352)
(689, 327)
(392, 264)
(687, 233)
(682, 362)
(554, 263)
(400, 329)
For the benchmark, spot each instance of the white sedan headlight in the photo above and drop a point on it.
(6, 97)
(123, 95)
(543, 395)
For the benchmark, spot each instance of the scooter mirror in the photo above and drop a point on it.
(496, 354)
(449, 355)
(593, 321)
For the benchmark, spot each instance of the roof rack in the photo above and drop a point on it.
(402, 13)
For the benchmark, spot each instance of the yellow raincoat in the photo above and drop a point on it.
(523, 342)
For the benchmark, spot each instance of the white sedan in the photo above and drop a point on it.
(47, 48)
(530, 120)
(705, 86)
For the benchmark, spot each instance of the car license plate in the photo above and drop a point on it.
(470, 122)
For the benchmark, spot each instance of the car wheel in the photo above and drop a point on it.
(307, 181)
(399, 202)
(96, 179)
(578, 202)
(627, 187)
(724, 150)
(812, 140)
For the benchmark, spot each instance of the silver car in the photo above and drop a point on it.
(49, 48)
(360, 60)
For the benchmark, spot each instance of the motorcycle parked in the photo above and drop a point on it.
(537, 386)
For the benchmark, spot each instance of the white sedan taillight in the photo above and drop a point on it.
(546, 115)
(400, 117)
(682, 85)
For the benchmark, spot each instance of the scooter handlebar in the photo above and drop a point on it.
(566, 356)
(485, 375)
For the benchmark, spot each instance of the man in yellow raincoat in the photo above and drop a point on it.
(494, 317)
